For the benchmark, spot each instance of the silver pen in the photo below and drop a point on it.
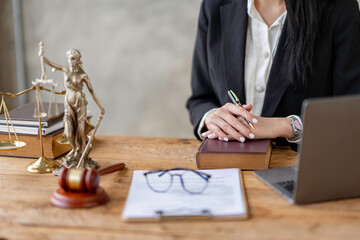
(236, 101)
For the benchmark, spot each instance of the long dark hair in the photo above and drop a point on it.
(305, 19)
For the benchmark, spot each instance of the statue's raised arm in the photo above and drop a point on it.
(44, 60)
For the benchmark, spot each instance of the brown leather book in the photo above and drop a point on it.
(52, 149)
(252, 154)
(24, 115)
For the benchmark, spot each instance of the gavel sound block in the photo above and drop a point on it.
(80, 188)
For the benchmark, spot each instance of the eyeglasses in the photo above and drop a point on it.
(192, 181)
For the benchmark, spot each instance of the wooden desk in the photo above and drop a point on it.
(25, 211)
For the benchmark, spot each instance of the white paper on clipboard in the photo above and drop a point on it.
(224, 197)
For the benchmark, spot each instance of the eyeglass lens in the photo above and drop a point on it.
(191, 181)
(159, 181)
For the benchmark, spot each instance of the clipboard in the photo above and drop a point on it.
(223, 199)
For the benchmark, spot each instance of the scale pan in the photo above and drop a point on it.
(41, 115)
(11, 145)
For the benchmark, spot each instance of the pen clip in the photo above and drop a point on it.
(234, 98)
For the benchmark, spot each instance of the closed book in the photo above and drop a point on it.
(252, 154)
(32, 130)
(52, 149)
(24, 115)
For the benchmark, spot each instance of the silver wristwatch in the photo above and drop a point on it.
(297, 127)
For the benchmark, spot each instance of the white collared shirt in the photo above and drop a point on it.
(261, 45)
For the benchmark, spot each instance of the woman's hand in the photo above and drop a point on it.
(223, 123)
(227, 123)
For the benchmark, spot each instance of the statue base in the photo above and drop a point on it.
(72, 162)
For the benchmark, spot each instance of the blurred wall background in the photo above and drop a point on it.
(137, 54)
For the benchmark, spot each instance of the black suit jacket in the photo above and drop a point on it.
(218, 61)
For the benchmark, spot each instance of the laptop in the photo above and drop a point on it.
(328, 164)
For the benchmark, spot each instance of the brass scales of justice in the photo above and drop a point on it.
(42, 165)
(76, 157)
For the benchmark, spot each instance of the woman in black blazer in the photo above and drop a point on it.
(317, 55)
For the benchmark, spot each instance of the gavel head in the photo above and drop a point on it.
(76, 180)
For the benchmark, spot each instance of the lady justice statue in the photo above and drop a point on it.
(76, 125)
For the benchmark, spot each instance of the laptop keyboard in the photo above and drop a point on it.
(288, 185)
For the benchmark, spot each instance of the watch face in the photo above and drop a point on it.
(297, 125)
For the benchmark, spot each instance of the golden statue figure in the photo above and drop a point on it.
(76, 124)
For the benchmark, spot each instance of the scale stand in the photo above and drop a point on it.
(43, 164)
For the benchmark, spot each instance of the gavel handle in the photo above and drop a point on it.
(111, 168)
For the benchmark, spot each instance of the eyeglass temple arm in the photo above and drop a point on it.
(201, 174)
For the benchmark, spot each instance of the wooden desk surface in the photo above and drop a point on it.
(25, 211)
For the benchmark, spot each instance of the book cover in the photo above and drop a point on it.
(252, 154)
(24, 115)
(52, 149)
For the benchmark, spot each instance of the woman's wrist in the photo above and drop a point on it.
(285, 129)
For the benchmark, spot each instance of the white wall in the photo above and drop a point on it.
(137, 53)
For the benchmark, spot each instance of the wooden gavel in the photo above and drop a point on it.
(84, 180)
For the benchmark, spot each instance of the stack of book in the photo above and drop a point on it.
(27, 128)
